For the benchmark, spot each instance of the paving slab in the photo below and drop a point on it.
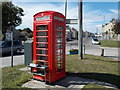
(68, 82)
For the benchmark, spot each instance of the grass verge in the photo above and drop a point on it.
(96, 87)
(109, 43)
(94, 67)
(12, 77)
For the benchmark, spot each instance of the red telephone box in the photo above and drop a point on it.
(49, 46)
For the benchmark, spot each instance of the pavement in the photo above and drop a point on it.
(68, 82)
(18, 59)
(6, 61)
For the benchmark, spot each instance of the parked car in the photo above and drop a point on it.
(68, 39)
(5, 47)
(95, 41)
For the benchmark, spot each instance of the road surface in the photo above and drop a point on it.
(94, 49)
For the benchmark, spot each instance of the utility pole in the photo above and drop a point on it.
(80, 33)
(66, 8)
(11, 46)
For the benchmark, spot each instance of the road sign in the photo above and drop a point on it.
(71, 21)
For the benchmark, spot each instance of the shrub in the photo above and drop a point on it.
(73, 50)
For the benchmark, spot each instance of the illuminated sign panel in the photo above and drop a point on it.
(58, 18)
(43, 18)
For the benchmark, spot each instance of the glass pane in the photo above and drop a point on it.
(60, 28)
(60, 34)
(42, 34)
(41, 27)
(42, 58)
(42, 46)
(59, 64)
(59, 58)
(59, 51)
(42, 40)
(41, 51)
(59, 39)
(59, 46)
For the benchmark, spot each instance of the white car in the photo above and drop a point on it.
(95, 41)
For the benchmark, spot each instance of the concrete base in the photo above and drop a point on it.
(68, 82)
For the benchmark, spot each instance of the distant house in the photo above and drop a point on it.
(68, 33)
(74, 33)
(107, 30)
(88, 34)
(71, 33)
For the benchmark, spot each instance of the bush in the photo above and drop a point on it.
(73, 50)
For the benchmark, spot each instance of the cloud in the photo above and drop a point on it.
(31, 9)
(91, 18)
(114, 11)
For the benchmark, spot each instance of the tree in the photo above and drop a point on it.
(11, 16)
(28, 30)
(116, 27)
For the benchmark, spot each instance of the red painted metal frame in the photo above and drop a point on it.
(53, 75)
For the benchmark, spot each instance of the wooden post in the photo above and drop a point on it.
(102, 54)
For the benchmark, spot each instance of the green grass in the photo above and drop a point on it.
(108, 43)
(94, 67)
(96, 87)
(13, 77)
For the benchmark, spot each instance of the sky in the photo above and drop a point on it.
(94, 13)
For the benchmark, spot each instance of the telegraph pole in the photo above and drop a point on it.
(66, 8)
(80, 32)
(11, 46)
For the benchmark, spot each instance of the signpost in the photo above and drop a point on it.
(80, 26)
(71, 21)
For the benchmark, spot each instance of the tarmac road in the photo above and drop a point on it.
(94, 49)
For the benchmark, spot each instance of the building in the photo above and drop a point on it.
(71, 33)
(74, 33)
(87, 34)
(107, 30)
(68, 34)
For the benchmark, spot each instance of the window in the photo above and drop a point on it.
(60, 28)
(41, 27)
(60, 34)
(59, 39)
(42, 58)
(16, 43)
(41, 51)
(42, 46)
(7, 44)
(42, 39)
(59, 57)
(59, 51)
(59, 46)
(42, 33)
